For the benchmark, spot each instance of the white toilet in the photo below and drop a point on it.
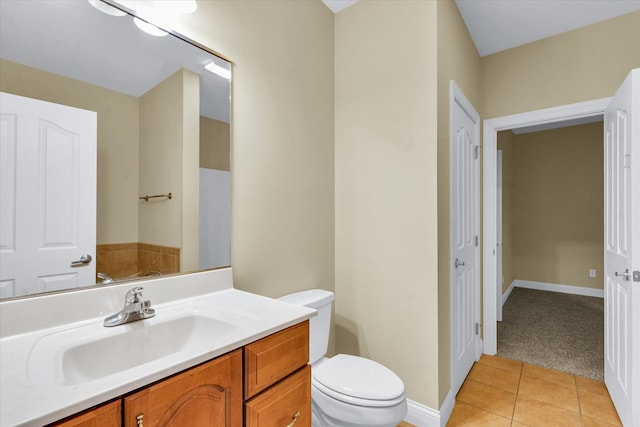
(347, 391)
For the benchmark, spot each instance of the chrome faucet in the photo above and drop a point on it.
(134, 309)
(106, 279)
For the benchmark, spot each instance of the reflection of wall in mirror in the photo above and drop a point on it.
(215, 147)
(119, 131)
(169, 162)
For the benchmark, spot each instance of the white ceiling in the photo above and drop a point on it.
(337, 5)
(497, 25)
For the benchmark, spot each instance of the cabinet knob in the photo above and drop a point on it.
(295, 418)
(140, 420)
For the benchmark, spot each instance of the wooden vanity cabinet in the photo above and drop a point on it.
(107, 415)
(277, 379)
(266, 383)
(206, 395)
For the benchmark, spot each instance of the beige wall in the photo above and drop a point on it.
(282, 133)
(505, 144)
(215, 144)
(190, 249)
(558, 208)
(580, 65)
(458, 60)
(386, 210)
(117, 187)
(169, 163)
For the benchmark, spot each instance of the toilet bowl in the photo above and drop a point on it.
(347, 391)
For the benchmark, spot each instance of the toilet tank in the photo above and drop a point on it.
(320, 325)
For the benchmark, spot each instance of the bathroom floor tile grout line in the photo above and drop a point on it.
(513, 413)
(575, 382)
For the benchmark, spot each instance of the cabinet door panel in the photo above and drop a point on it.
(278, 406)
(204, 396)
(107, 415)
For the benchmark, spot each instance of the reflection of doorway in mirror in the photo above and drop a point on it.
(47, 196)
(215, 218)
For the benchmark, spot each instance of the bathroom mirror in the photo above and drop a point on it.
(162, 146)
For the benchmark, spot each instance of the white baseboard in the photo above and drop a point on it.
(553, 287)
(422, 416)
(506, 294)
(447, 408)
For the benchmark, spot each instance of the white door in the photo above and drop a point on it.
(47, 196)
(499, 276)
(465, 251)
(622, 250)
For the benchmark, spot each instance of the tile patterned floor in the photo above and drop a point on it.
(504, 392)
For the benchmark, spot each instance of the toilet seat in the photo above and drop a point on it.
(358, 381)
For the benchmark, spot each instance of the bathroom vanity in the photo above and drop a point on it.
(217, 357)
(277, 390)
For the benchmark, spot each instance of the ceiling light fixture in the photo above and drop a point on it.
(154, 14)
(106, 8)
(217, 69)
(149, 28)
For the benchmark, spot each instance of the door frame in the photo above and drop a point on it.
(499, 245)
(578, 111)
(456, 96)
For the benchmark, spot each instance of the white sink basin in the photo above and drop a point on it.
(91, 352)
(142, 343)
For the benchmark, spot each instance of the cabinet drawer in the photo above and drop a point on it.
(272, 358)
(282, 403)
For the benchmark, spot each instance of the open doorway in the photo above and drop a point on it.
(550, 253)
(569, 114)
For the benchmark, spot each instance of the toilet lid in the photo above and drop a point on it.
(359, 377)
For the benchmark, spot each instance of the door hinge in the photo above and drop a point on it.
(476, 240)
(636, 276)
(627, 161)
(477, 328)
(476, 152)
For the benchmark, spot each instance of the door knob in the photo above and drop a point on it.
(625, 275)
(84, 259)
(458, 263)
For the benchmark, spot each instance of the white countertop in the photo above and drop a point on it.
(34, 392)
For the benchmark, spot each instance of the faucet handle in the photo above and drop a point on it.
(133, 295)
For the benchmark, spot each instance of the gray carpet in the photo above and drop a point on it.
(554, 330)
